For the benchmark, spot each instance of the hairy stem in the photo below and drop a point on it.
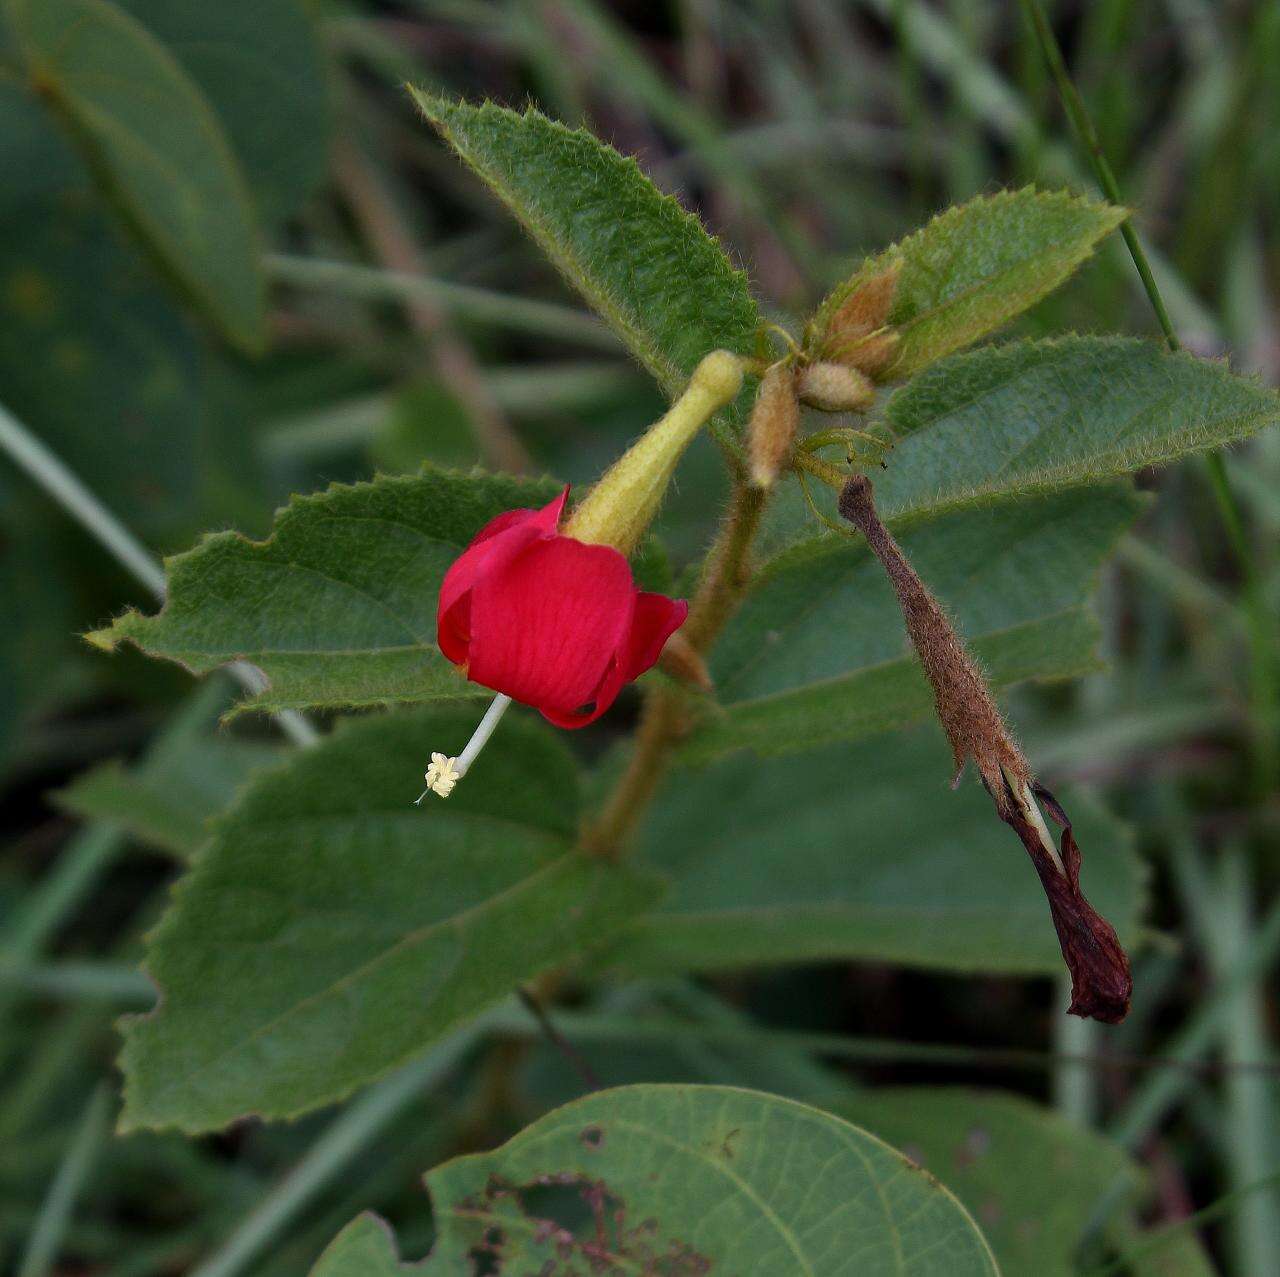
(724, 580)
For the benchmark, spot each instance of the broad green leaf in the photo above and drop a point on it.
(976, 266)
(1030, 1178)
(169, 801)
(365, 1248)
(157, 146)
(104, 367)
(1046, 414)
(646, 265)
(331, 929)
(338, 606)
(262, 69)
(1169, 1250)
(859, 852)
(684, 1179)
(818, 651)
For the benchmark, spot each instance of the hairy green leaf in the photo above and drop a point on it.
(365, 1248)
(684, 1179)
(818, 651)
(262, 69)
(331, 929)
(648, 267)
(158, 148)
(338, 606)
(975, 267)
(1046, 414)
(859, 852)
(1029, 1177)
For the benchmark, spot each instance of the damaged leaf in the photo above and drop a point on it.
(683, 1181)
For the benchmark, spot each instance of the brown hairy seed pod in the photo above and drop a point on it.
(1101, 984)
(773, 425)
(834, 388)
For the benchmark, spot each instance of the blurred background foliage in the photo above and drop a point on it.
(329, 293)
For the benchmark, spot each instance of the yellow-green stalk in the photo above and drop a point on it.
(621, 506)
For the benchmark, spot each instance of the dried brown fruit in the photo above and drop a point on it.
(1100, 980)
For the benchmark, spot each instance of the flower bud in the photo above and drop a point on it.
(622, 504)
(774, 422)
(854, 330)
(835, 388)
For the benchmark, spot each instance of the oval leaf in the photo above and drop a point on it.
(858, 852)
(331, 930)
(684, 1180)
(262, 68)
(156, 144)
(1046, 414)
(818, 652)
(975, 267)
(648, 267)
(338, 606)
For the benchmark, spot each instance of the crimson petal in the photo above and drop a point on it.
(548, 623)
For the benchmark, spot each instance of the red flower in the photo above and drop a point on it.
(550, 620)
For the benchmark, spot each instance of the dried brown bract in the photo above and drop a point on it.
(1100, 981)
(857, 333)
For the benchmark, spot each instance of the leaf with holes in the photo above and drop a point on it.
(818, 652)
(683, 1180)
(338, 606)
(1038, 415)
(975, 267)
(647, 266)
(858, 852)
(155, 142)
(331, 930)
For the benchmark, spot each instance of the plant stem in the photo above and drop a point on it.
(1265, 684)
(724, 580)
(1075, 108)
(58, 480)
